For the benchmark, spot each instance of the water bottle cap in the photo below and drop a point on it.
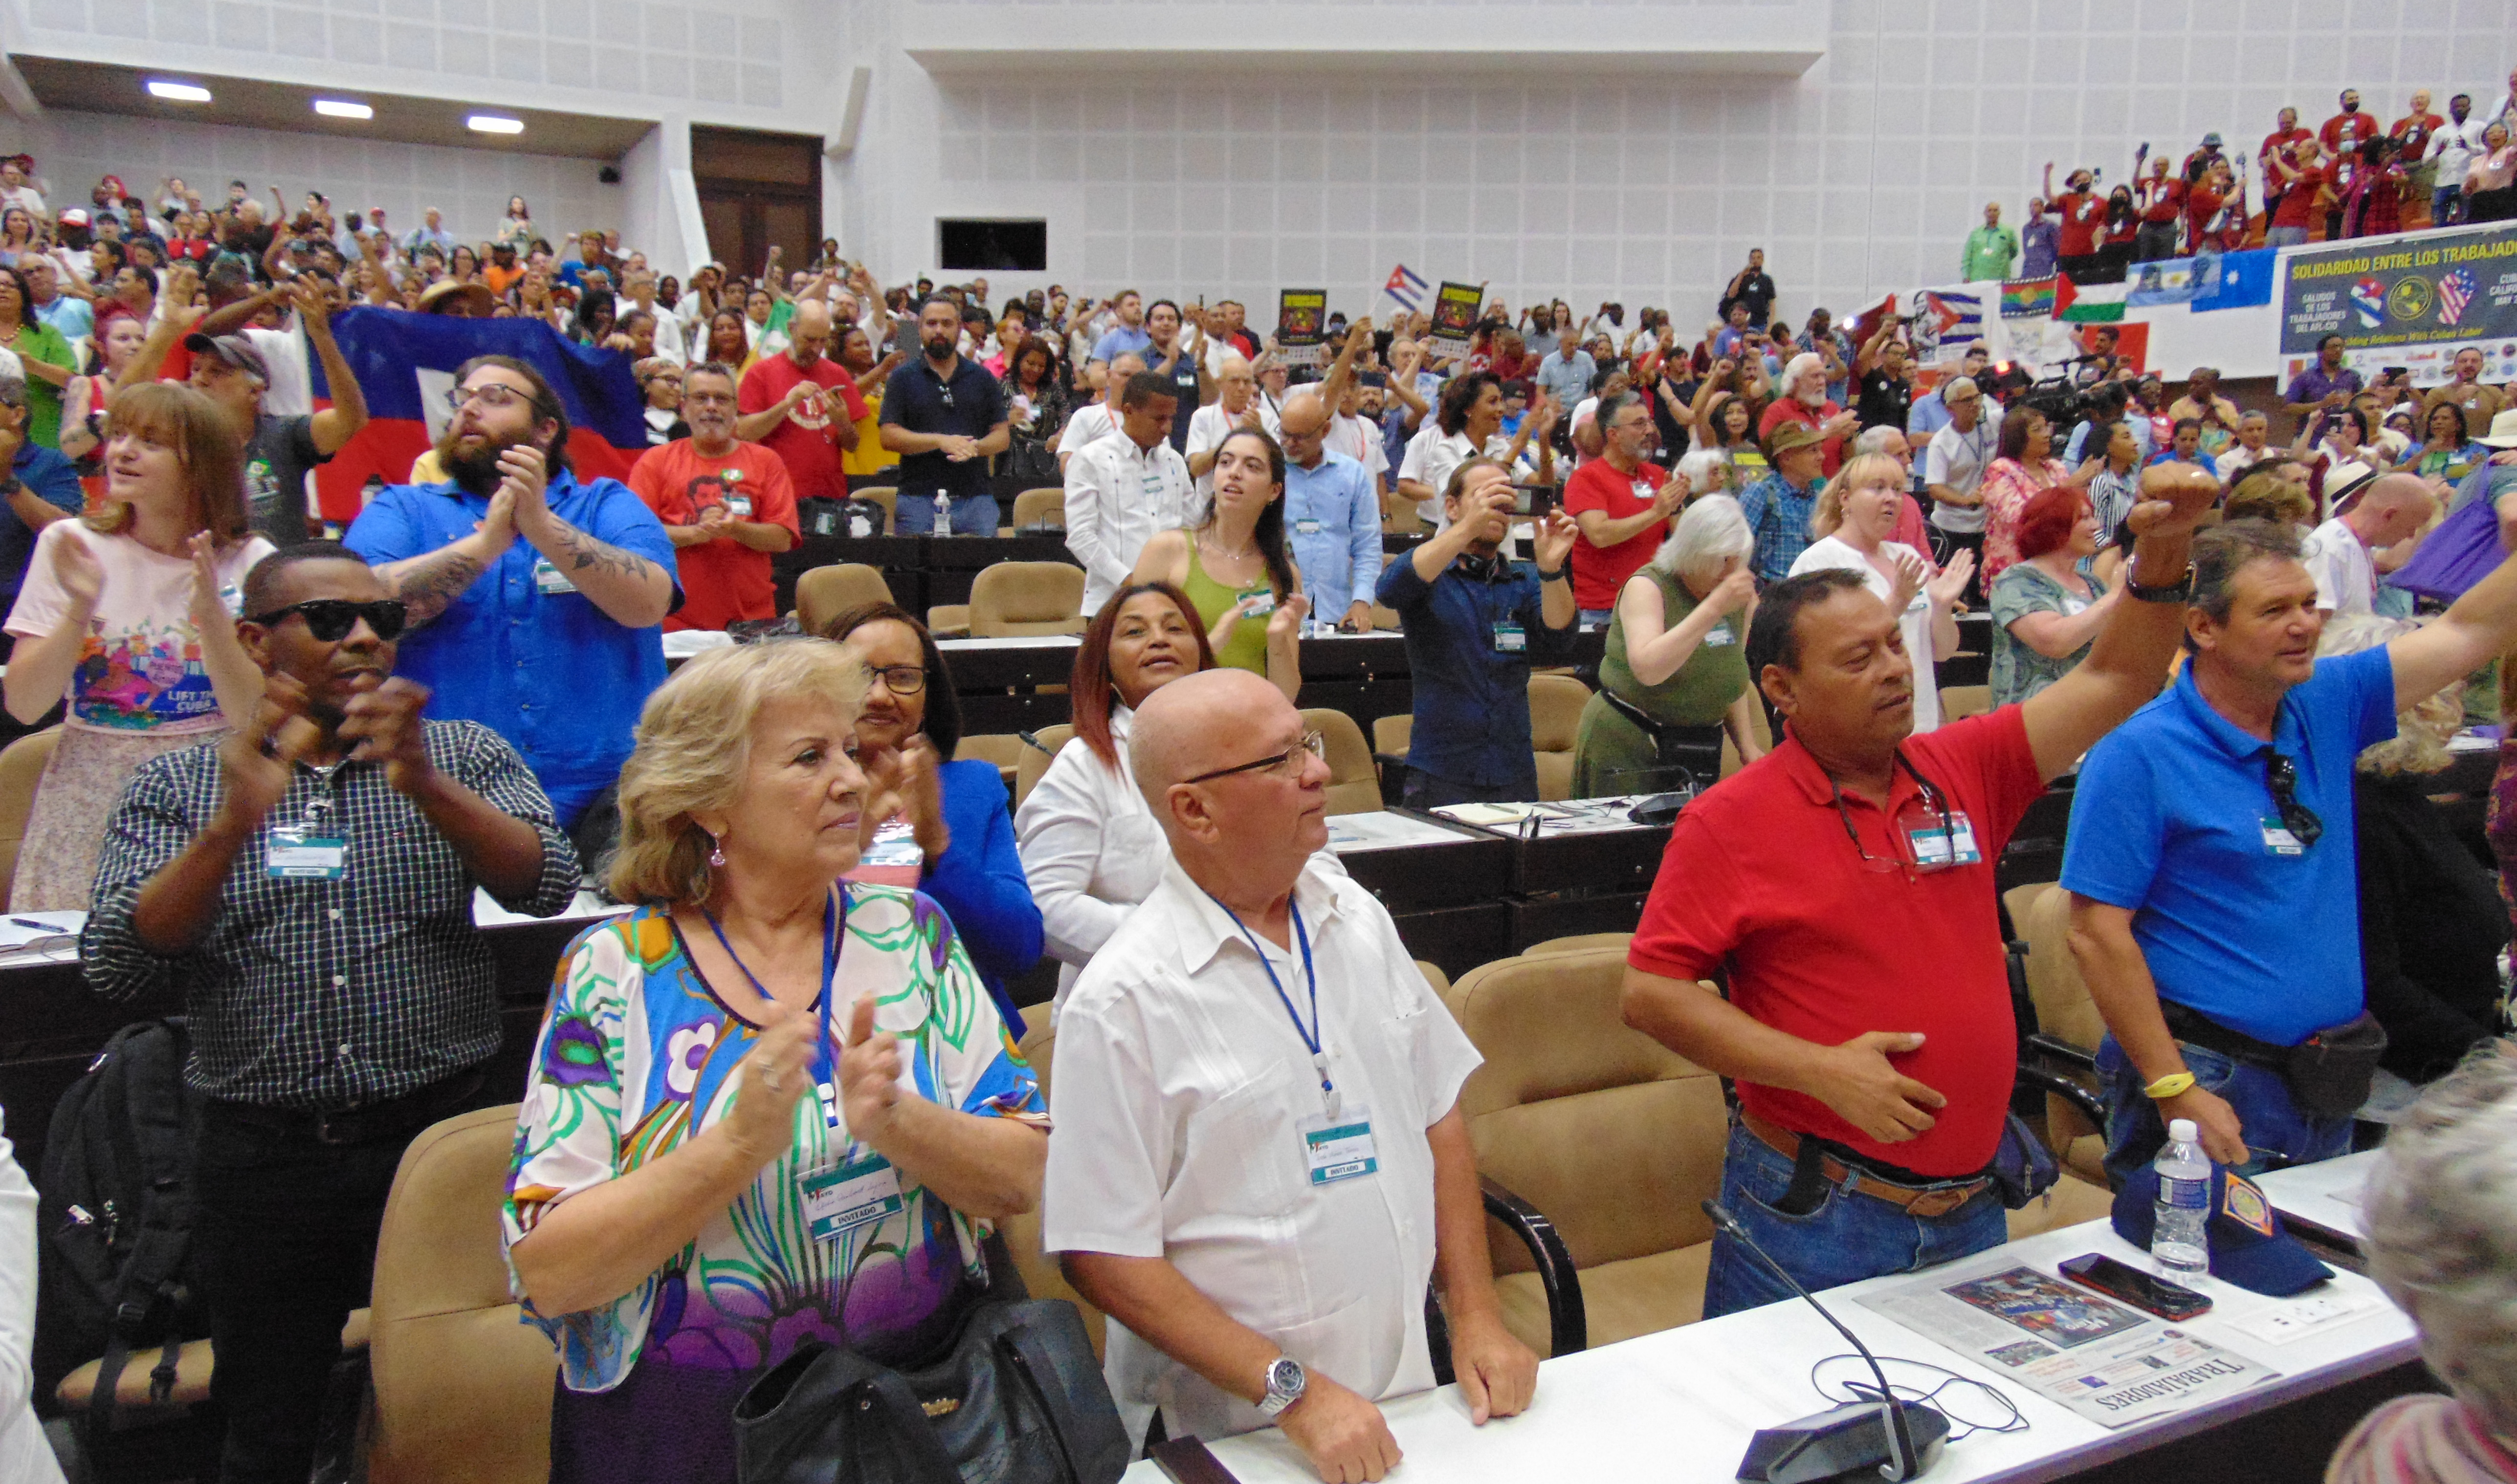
(2182, 1132)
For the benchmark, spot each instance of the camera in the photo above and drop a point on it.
(1533, 500)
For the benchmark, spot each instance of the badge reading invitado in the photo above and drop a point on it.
(864, 1193)
(1338, 1146)
(301, 855)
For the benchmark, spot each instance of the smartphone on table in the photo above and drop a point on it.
(2145, 1291)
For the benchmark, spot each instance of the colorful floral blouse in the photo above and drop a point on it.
(2007, 488)
(638, 1056)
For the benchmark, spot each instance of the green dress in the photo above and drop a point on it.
(1611, 755)
(39, 341)
(1247, 649)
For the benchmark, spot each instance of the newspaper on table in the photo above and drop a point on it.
(1383, 829)
(2110, 1364)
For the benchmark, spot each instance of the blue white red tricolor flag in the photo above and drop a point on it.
(1405, 288)
(406, 363)
(1945, 322)
(2369, 298)
(2456, 293)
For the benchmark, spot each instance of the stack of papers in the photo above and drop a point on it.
(1385, 830)
(1569, 817)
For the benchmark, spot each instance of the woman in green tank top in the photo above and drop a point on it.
(1677, 653)
(1234, 565)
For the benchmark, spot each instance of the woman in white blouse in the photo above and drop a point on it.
(1855, 517)
(1087, 842)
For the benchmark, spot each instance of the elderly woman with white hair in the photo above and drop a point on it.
(2431, 922)
(1674, 678)
(1804, 401)
(2442, 1240)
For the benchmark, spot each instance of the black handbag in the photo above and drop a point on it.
(1019, 1400)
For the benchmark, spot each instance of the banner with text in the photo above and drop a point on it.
(2405, 303)
(1302, 325)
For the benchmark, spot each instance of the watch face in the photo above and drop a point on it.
(1285, 1376)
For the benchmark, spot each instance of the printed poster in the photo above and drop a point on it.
(1302, 325)
(1455, 317)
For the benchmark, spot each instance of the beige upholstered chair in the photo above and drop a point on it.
(823, 593)
(1556, 705)
(888, 497)
(462, 1390)
(1044, 506)
(1354, 783)
(1579, 943)
(1035, 761)
(2065, 1016)
(22, 767)
(1612, 1136)
(1027, 598)
(1003, 749)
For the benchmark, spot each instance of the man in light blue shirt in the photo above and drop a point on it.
(434, 234)
(1129, 337)
(1567, 370)
(1332, 519)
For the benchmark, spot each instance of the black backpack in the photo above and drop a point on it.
(115, 1217)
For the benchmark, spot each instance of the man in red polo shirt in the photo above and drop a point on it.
(727, 505)
(2276, 145)
(2082, 215)
(2160, 199)
(2303, 177)
(1622, 505)
(1845, 883)
(804, 406)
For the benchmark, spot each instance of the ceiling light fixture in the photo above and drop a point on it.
(492, 123)
(177, 92)
(333, 108)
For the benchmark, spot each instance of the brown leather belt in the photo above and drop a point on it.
(1923, 1204)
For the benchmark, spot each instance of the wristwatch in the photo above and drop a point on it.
(1557, 576)
(1285, 1382)
(2179, 593)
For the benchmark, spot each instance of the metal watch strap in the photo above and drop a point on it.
(1283, 1394)
(2179, 593)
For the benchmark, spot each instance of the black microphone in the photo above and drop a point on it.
(1816, 1447)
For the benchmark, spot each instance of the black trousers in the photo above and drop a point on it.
(284, 1230)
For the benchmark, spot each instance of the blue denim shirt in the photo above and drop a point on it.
(550, 672)
(1471, 713)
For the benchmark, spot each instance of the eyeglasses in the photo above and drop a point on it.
(2281, 775)
(899, 679)
(1285, 764)
(1944, 858)
(330, 619)
(496, 394)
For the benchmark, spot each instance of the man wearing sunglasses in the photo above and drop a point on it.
(1844, 885)
(1261, 1162)
(2214, 872)
(307, 882)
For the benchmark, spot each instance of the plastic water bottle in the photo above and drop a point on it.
(2180, 1241)
(943, 512)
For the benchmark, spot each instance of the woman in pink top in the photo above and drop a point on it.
(129, 611)
(2024, 464)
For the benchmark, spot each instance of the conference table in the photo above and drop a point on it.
(1679, 1407)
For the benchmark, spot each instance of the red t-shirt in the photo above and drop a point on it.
(1784, 409)
(2084, 215)
(1599, 572)
(2298, 198)
(806, 439)
(2344, 130)
(2159, 200)
(2415, 130)
(724, 579)
(1759, 876)
(2276, 140)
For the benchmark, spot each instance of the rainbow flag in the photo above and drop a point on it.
(2027, 299)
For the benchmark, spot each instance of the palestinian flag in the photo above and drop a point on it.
(2097, 304)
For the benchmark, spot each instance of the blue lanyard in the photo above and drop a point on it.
(825, 1071)
(1311, 1034)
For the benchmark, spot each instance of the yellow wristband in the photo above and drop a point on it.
(2169, 1086)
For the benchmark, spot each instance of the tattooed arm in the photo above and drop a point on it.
(430, 582)
(632, 591)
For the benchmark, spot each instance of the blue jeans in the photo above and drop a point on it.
(2273, 1123)
(1849, 1237)
(2447, 205)
(2285, 236)
(913, 515)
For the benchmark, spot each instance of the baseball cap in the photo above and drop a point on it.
(1790, 436)
(2249, 1247)
(235, 349)
(74, 217)
(2210, 141)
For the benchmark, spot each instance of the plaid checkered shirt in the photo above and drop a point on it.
(325, 995)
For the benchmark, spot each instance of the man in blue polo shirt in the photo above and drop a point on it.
(536, 598)
(1332, 518)
(944, 415)
(1475, 621)
(2212, 860)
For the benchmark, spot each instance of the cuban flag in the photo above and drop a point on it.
(1946, 324)
(2454, 293)
(2369, 298)
(1405, 288)
(406, 363)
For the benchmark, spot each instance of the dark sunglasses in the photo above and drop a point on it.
(330, 619)
(2300, 821)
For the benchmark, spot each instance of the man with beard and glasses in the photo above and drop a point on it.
(307, 883)
(792, 402)
(945, 416)
(726, 504)
(536, 596)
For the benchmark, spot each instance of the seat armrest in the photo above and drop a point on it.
(2070, 1091)
(2080, 1058)
(1568, 1326)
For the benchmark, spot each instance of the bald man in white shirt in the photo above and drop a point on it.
(1261, 1162)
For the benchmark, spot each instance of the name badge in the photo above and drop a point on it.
(1644, 490)
(1510, 638)
(549, 580)
(738, 506)
(1937, 846)
(1306, 526)
(838, 1200)
(293, 855)
(1262, 604)
(1719, 635)
(1337, 1147)
(232, 598)
(2279, 842)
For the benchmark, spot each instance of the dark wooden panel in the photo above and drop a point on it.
(1456, 939)
(1535, 919)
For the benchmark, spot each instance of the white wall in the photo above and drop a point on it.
(1861, 175)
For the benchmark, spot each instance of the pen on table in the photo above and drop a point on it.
(41, 927)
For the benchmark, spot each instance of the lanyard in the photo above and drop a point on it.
(1311, 1034)
(823, 1072)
